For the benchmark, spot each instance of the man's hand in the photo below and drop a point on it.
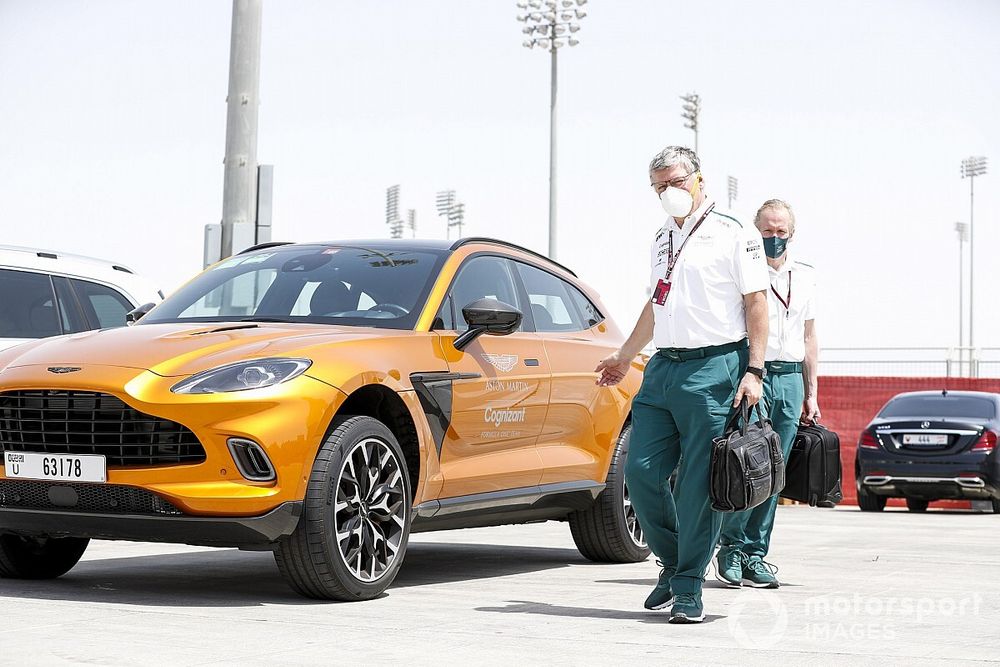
(750, 387)
(810, 411)
(612, 369)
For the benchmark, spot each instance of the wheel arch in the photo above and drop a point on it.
(384, 404)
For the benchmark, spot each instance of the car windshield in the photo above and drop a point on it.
(972, 407)
(345, 285)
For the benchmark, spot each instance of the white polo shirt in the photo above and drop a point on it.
(722, 262)
(787, 326)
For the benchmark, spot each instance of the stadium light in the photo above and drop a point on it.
(971, 168)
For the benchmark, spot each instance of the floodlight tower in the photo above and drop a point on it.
(392, 212)
(689, 112)
(550, 25)
(972, 167)
(451, 210)
(734, 186)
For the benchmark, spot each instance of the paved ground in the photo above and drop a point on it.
(892, 588)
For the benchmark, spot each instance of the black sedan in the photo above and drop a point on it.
(931, 445)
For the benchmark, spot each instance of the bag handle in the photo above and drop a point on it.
(742, 411)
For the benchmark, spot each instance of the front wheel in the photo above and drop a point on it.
(608, 531)
(39, 557)
(355, 522)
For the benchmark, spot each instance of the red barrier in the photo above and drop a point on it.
(849, 403)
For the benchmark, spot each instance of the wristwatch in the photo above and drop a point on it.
(759, 372)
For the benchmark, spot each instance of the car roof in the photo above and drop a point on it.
(80, 266)
(948, 392)
(440, 245)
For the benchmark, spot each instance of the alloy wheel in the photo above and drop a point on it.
(631, 520)
(368, 514)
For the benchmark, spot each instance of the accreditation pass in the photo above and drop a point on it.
(56, 467)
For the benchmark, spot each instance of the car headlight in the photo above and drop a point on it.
(255, 374)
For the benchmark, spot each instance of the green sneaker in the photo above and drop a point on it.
(661, 597)
(730, 566)
(759, 573)
(687, 609)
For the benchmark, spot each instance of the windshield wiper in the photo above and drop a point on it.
(264, 319)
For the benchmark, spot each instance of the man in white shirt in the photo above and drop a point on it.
(789, 390)
(708, 281)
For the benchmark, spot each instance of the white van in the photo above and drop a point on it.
(46, 293)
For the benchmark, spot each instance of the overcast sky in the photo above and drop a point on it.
(112, 133)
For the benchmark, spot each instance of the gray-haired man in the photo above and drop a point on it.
(708, 280)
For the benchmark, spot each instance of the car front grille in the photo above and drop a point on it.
(80, 422)
(96, 498)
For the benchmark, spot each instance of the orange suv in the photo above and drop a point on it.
(324, 401)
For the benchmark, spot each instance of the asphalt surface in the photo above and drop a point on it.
(891, 588)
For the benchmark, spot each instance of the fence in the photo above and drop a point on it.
(974, 362)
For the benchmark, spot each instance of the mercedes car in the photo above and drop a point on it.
(323, 401)
(931, 445)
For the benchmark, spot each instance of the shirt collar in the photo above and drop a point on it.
(785, 268)
(690, 220)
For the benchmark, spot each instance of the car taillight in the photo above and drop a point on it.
(987, 441)
(868, 441)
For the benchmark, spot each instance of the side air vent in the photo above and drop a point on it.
(251, 460)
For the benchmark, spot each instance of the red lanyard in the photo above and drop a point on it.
(670, 247)
(787, 301)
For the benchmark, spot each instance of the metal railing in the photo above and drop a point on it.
(972, 362)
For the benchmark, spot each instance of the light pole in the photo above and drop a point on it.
(962, 229)
(451, 210)
(547, 24)
(972, 167)
(689, 112)
(392, 212)
(734, 187)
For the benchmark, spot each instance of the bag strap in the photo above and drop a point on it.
(739, 412)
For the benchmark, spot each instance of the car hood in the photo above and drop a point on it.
(11, 342)
(172, 350)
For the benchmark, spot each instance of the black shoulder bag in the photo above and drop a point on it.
(747, 466)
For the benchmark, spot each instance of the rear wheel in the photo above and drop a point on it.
(608, 531)
(355, 523)
(916, 504)
(996, 505)
(868, 501)
(39, 557)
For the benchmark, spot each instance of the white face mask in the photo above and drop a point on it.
(677, 202)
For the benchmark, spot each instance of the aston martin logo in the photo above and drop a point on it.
(63, 369)
(503, 362)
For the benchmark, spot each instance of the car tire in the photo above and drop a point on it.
(39, 558)
(869, 502)
(608, 531)
(917, 505)
(996, 505)
(355, 523)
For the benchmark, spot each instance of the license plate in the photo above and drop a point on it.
(56, 467)
(925, 439)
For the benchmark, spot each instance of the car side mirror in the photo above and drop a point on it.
(133, 316)
(488, 316)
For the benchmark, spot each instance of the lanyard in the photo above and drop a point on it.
(670, 244)
(787, 301)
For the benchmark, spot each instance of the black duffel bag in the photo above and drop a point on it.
(813, 469)
(747, 466)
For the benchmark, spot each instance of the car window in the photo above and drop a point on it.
(27, 305)
(974, 407)
(345, 285)
(552, 307)
(591, 315)
(70, 314)
(103, 306)
(445, 318)
(483, 277)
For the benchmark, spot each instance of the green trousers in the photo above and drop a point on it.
(750, 531)
(680, 408)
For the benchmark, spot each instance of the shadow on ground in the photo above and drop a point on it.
(229, 577)
(545, 609)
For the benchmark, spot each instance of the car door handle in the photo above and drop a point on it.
(531, 362)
